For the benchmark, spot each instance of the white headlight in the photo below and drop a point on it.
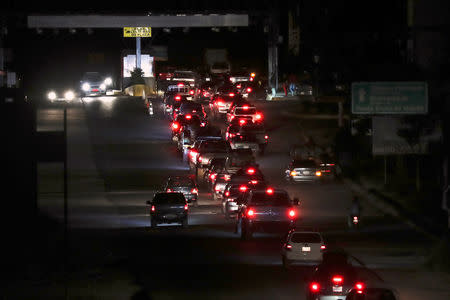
(51, 95)
(85, 87)
(108, 81)
(103, 86)
(69, 95)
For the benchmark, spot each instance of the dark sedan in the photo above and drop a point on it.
(168, 208)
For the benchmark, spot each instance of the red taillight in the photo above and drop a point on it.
(250, 212)
(245, 107)
(180, 84)
(153, 208)
(314, 287)
(227, 193)
(242, 122)
(249, 90)
(242, 188)
(291, 213)
(251, 171)
(231, 94)
(216, 188)
(199, 158)
(253, 181)
(186, 207)
(359, 286)
(288, 247)
(269, 191)
(175, 126)
(194, 191)
(323, 247)
(177, 97)
(191, 92)
(193, 153)
(212, 176)
(258, 117)
(205, 94)
(188, 117)
(266, 137)
(169, 191)
(337, 280)
(238, 86)
(220, 103)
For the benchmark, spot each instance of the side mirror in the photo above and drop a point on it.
(296, 201)
(148, 202)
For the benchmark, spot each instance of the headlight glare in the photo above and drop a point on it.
(86, 87)
(108, 81)
(69, 95)
(51, 95)
(103, 86)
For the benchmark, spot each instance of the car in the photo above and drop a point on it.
(194, 151)
(249, 90)
(186, 77)
(239, 76)
(168, 207)
(233, 194)
(244, 111)
(256, 129)
(303, 170)
(209, 150)
(304, 247)
(245, 141)
(221, 180)
(238, 159)
(270, 210)
(220, 103)
(181, 122)
(337, 278)
(94, 84)
(215, 166)
(246, 174)
(183, 184)
(191, 108)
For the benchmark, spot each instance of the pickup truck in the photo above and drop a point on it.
(269, 210)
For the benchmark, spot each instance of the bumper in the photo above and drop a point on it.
(191, 197)
(169, 218)
(271, 226)
(305, 178)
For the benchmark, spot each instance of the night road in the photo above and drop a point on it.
(118, 156)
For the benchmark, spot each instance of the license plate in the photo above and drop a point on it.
(337, 289)
(305, 172)
(189, 98)
(170, 216)
(306, 249)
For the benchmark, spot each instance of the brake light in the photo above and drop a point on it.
(205, 94)
(318, 173)
(266, 137)
(323, 247)
(216, 188)
(355, 220)
(186, 207)
(212, 176)
(359, 286)
(288, 247)
(232, 135)
(242, 188)
(194, 191)
(338, 280)
(199, 159)
(227, 193)
(231, 94)
(180, 84)
(169, 190)
(177, 97)
(258, 117)
(191, 92)
(242, 122)
(153, 208)
(238, 86)
(220, 103)
(251, 171)
(249, 90)
(175, 126)
(269, 191)
(291, 213)
(188, 117)
(245, 107)
(250, 212)
(193, 153)
(253, 181)
(314, 287)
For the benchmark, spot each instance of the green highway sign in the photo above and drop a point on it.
(390, 98)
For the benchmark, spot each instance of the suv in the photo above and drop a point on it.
(168, 208)
(269, 210)
(185, 185)
(305, 247)
(244, 111)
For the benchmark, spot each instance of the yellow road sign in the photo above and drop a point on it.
(137, 32)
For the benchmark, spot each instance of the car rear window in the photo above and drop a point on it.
(169, 198)
(242, 111)
(275, 199)
(304, 164)
(214, 146)
(306, 237)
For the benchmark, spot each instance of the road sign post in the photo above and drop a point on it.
(138, 33)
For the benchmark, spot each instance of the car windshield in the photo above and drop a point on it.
(92, 76)
(169, 198)
(305, 237)
(262, 198)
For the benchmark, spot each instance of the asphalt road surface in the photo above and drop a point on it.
(118, 156)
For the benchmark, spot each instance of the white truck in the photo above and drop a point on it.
(217, 60)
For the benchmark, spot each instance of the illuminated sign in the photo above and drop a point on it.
(137, 32)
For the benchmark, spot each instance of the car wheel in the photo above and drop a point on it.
(184, 223)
